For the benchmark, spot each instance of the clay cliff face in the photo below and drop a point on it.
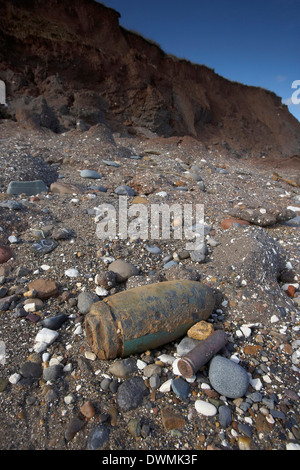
(65, 61)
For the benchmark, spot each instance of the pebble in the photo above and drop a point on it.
(98, 438)
(30, 188)
(14, 378)
(227, 377)
(225, 417)
(200, 331)
(88, 410)
(154, 250)
(55, 322)
(52, 372)
(181, 388)
(5, 254)
(131, 393)
(123, 270)
(124, 368)
(45, 288)
(73, 427)
(186, 345)
(42, 247)
(85, 301)
(72, 272)
(154, 381)
(124, 190)
(45, 337)
(152, 369)
(90, 174)
(166, 386)
(172, 419)
(204, 408)
(31, 370)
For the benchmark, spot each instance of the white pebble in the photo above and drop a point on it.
(267, 379)
(46, 336)
(166, 359)
(72, 272)
(205, 408)
(140, 364)
(14, 378)
(166, 386)
(274, 319)
(90, 355)
(101, 291)
(45, 267)
(205, 386)
(78, 329)
(292, 446)
(69, 399)
(13, 239)
(256, 384)
(30, 307)
(235, 359)
(270, 419)
(246, 331)
(45, 357)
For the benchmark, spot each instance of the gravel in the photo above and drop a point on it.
(252, 305)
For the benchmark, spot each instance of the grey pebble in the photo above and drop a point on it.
(131, 393)
(31, 370)
(277, 414)
(72, 428)
(228, 378)
(85, 301)
(105, 383)
(44, 246)
(152, 369)
(124, 190)
(225, 417)
(90, 174)
(154, 381)
(181, 388)
(52, 372)
(245, 429)
(98, 438)
(124, 368)
(186, 345)
(169, 264)
(54, 323)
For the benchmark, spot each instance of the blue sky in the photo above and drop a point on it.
(251, 42)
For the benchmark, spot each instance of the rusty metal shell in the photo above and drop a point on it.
(146, 317)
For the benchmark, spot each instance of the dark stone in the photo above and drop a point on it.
(181, 388)
(54, 323)
(31, 370)
(131, 393)
(98, 438)
(74, 425)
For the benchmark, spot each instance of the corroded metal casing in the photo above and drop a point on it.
(189, 364)
(146, 317)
